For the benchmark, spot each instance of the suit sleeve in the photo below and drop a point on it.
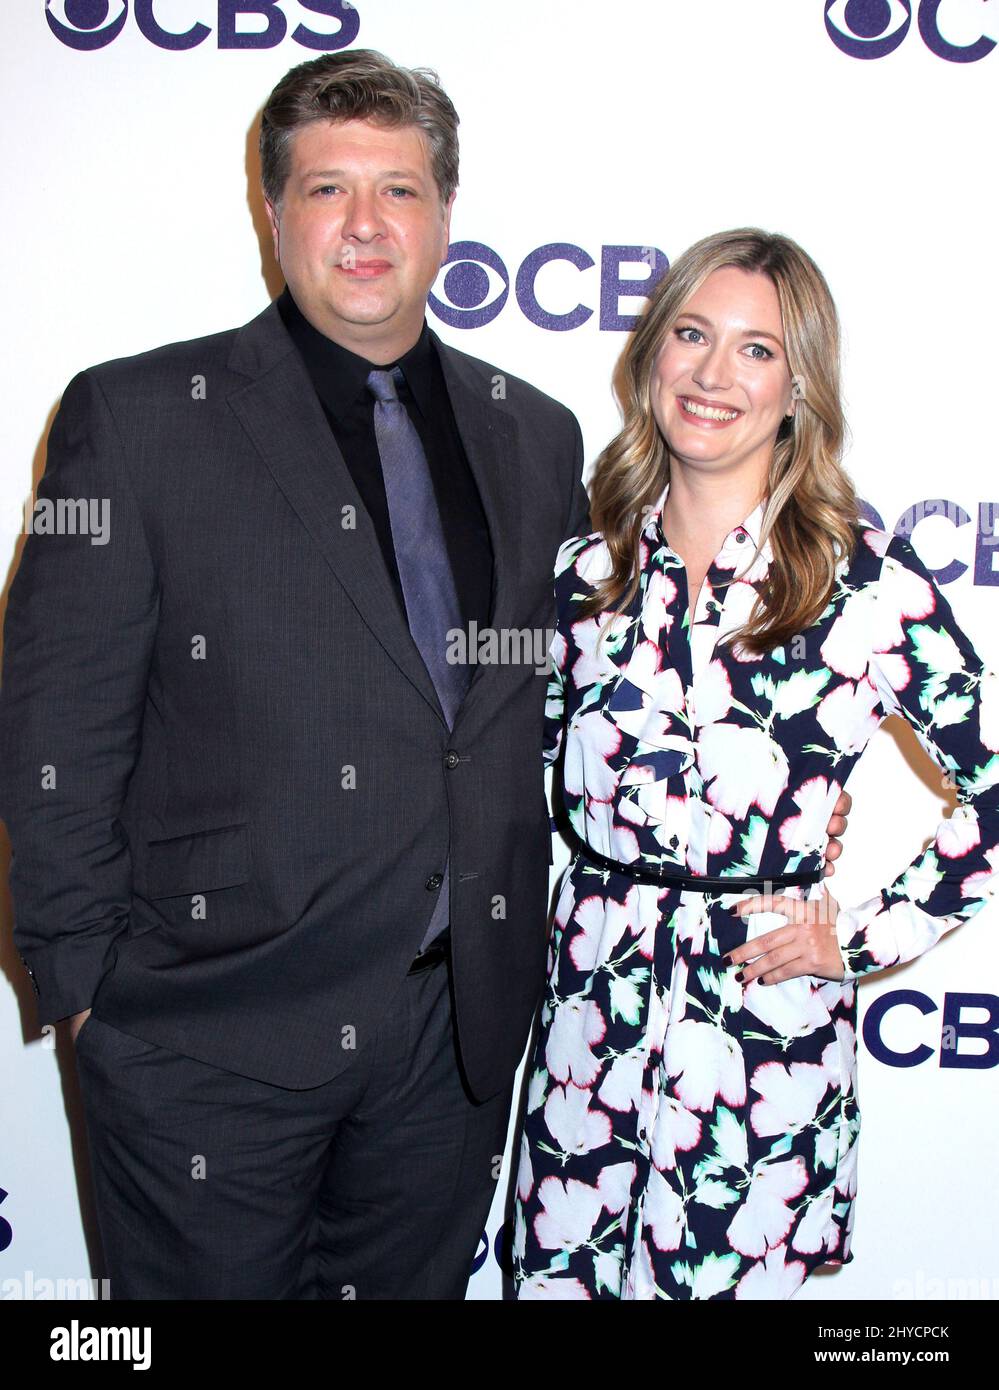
(927, 671)
(78, 637)
(577, 524)
(578, 520)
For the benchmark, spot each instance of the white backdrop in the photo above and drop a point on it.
(865, 130)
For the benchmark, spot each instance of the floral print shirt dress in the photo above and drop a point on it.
(685, 1136)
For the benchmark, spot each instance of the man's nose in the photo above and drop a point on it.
(363, 221)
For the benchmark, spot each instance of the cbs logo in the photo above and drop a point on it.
(474, 285)
(875, 28)
(985, 566)
(87, 25)
(500, 1247)
(955, 1028)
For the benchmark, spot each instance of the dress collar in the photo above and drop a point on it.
(734, 553)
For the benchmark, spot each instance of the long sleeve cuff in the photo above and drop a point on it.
(65, 976)
(852, 925)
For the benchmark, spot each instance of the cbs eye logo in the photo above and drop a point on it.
(475, 285)
(875, 28)
(87, 25)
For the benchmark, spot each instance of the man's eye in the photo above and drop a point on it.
(406, 192)
(326, 188)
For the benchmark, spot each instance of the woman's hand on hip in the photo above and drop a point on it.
(807, 945)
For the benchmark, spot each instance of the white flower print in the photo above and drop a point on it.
(959, 833)
(773, 1277)
(621, 1087)
(545, 1287)
(676, 1128)
(797, 833)
(577, 1024)
(568, 1213)
(615, 1185)
(765, 1217)
(789, 1096)
(601, 926)
(745, 767)
(574, 1126)
(848, 714)
(712, 694)
(704, 1063)
(815, 1232)
(663, 1213)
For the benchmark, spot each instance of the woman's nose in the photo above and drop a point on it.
(711, 373)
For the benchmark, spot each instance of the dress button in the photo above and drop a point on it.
(740, 535)
(434, 881)
(451, 758)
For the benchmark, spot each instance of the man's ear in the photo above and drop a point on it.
(447, 225)
(275, 226)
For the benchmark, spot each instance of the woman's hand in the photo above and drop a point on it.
(806, 946)
(835, 829)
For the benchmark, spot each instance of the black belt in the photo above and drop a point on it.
(665, 877)
(434, 954)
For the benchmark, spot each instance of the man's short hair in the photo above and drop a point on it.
(357, 85)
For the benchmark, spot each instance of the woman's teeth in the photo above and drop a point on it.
(707, 412)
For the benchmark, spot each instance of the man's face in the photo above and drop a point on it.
(360, 233)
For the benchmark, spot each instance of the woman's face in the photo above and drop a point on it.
(721, 383)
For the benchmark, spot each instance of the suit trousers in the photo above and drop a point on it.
(211, 1185)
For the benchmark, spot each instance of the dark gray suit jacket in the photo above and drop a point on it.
(223, 766)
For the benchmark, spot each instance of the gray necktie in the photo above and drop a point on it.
(421, 556)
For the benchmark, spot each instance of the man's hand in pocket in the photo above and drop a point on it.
(76, 1022)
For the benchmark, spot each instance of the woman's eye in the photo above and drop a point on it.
(682, 331)
(755, 348)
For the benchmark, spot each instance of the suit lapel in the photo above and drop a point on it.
(490, 438)
(280, 412)
(283, 418)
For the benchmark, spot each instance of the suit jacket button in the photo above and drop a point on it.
(434, 881)
(451, 759)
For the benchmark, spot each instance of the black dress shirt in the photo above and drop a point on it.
(340, 378)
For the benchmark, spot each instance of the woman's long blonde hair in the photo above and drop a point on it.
(811, 506)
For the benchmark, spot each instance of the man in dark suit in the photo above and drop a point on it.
(282, 863)
(245, 791)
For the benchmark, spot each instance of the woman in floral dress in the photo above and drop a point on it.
(727, 642)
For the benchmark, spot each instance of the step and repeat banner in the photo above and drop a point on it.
(597, 142)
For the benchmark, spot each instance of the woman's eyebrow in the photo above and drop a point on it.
(747, 332)
(762, 333)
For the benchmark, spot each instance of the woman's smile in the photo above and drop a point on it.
(708, 413)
